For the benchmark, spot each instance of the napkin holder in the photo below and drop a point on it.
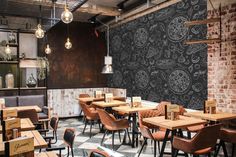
(210, 107)
(108, 97)
(98, 94)
(11, 128)
(136, 101)
(172, 111)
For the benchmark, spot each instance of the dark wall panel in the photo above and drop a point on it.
(151, 60)
(81, 66)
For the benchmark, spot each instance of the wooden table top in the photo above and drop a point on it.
(46, 154)
(114, 103)
(219, 116)
(21, 108)
(39, 141)
(181, 123)
(91, 99)
(26, 125)
(129, 110)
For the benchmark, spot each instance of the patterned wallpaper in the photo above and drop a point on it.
(151, 60)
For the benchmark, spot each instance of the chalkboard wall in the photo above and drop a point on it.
(151, 60)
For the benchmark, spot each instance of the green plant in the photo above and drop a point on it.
(43, 69)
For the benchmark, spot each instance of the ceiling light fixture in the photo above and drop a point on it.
(120, 6)
(48, 49)
(66, 16)
(68, 44)
(107, 69)
(39, 33)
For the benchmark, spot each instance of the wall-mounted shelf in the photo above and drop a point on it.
(205, 41)
(9, 62)
(201, 22)
(32, 88)
(8, 89)
(28, 63)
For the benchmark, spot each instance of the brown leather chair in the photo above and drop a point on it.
(98, 153)
(83, 95)
(202, 143)
(91, 115)
(53, 125)
(145, 128)
(112, 124)
(68, 137)
(32, 115)
(226, 135)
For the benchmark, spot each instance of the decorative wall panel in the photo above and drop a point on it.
(65, 104)
(151, 60)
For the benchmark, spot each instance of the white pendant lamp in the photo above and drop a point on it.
(68, 44)
(66, 15)
(48, 49)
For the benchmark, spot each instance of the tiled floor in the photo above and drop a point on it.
(83, 144)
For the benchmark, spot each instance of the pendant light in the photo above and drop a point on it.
(39, 33)
(7, 50)
(66, 15)
(68, 44)
(48, 49)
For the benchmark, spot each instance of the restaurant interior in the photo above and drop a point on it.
(117, 78)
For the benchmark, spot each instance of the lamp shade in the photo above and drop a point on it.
(107, 69)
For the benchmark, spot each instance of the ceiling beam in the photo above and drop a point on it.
(45, 3)
(98, 9)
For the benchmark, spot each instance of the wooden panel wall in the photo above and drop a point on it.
(80, 66)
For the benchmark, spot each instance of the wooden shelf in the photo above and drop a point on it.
(32, 88)
(201, 22)
(8, 89)
(9, 62)
(205, 41)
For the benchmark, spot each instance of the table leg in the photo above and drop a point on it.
(164, 142)
(172, 148)
(133, 129)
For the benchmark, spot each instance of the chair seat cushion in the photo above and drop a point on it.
(195, 128)
(42, 115)
(159, 135)
(203, 151)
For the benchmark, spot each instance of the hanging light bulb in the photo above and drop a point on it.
(48, 49)
(66, 16)
(7, 50)
(39, 33)
(68, 44)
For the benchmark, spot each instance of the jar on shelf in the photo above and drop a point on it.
(31, 82)
(9, 80)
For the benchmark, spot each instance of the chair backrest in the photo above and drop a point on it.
(98, 153)
(54, 123)
(69, 136)
(147, 114)
(20, 147)
(30, 113)
(83, 95)
(206, 137)
(105, 118)
(146, 132)
(85, 108)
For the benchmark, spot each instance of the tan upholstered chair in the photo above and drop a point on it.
(112, 124)
(201, 144)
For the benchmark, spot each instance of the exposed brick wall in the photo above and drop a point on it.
(222, 66)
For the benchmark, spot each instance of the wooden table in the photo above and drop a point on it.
(104, 104)
(22, 108)
(172, 126)
(91, 99)
(26, 125)
(133, 112)
(39, 141)
(219, 116)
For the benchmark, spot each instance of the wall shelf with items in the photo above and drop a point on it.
(22, 64)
